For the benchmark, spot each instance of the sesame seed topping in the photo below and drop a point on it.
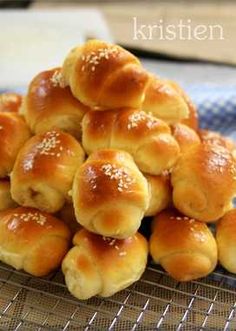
(117, 247)
(119, 174)
(49, 143)
(136, 118)
(36, 217)
(57, 79)
(122, 253)
(93, 59)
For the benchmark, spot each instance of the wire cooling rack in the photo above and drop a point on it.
(156, 302)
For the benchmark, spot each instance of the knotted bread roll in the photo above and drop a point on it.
(145, 137)
(102, 266)
(13, 134)
(192, 119)
(184, 247)
(204, 182)
(226, 240)
(110, 194)
(48, 105)
(160, 193)
(10, 102)
(185, 136)
(32, 240)
(44, 170)
(6, 200)
(105, 76)
(164, 101)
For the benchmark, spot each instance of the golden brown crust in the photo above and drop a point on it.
(6, 200)
(13, 134)
(216, 139)
(48, 105)
(122, 263)
(160, 193)
(32, 240)
(44, 170)
(110, 194)
(192, 119)
(145, 137)
(226, 240)
(185, 136)
(105, 76)
(204, 182)
(183, 246)
(10, 102)
(164, 102)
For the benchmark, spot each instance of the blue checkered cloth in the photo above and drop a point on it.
(217, 107)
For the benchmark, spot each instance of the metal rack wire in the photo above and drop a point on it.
(155, 302)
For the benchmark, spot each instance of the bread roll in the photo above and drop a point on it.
(67, 215)
(215, 138)
(102, 266)
(145, 137)
(226, 240)
(184, 247)
(160, 193)
(204, 182)
(105, 76)
(110, 194)
(6, 200)
(185, 136)
(164, 102)
(192, 119)
(10, 102)
(44, 171)
(13, 134)
(49, 105)
(32, 240)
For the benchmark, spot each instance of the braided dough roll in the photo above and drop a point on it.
(204, 182)
(13, 134)
(145, 137)
(110, 194)
(105, 76)
(49, 105)
(226, 240)
(44, 170)
(32, 240)
(102, 266)
(10, 102)
(184, 247)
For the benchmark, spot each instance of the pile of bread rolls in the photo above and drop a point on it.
(91, 150)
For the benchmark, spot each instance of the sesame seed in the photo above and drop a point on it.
(122, 253)
(36, 217)
(118, 174)
(179, 218)
(49, 143)
(138, 117)
(1, 127)
(93, 59)
(117, 247)
(56, 79)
